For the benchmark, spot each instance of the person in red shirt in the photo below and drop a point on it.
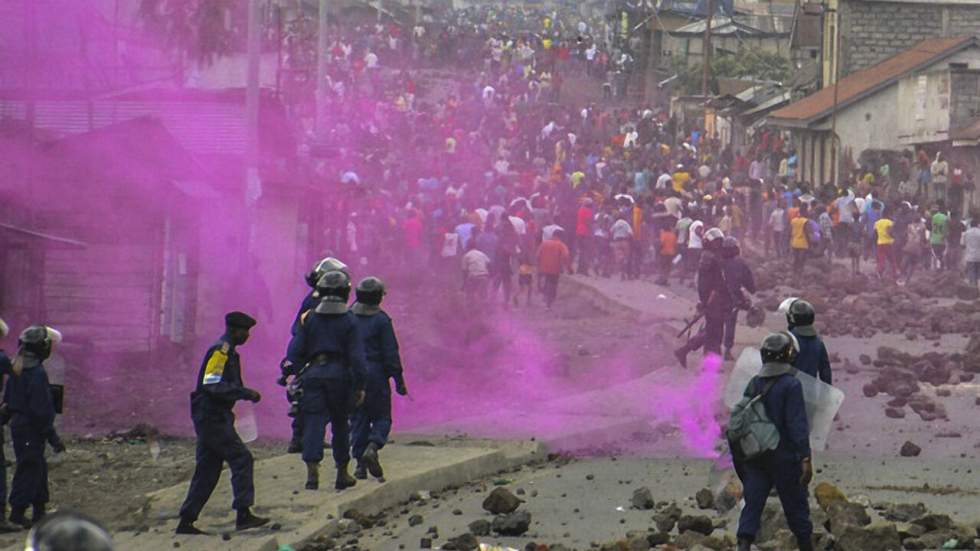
(553, 257)
(583, 236)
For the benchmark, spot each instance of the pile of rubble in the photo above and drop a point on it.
(864, 306)
(901, 376)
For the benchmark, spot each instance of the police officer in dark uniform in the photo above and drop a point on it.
(371, 423)
(219, 386)
(739, 278)
(28, 401)
(788, 467)
(5, 371)
(329, 347)
(715, 300)
(293, 387)
(813, 358)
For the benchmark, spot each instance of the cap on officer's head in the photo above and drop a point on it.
(240, 320)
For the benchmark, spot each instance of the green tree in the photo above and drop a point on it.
(746, 63)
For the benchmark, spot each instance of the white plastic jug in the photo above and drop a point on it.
(246, 425)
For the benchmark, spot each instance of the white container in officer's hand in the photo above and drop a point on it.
(246, 424)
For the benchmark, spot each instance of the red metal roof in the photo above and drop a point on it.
(861, 83)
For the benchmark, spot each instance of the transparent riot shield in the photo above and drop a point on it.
(822, 400)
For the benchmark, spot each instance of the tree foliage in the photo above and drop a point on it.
(746, 63)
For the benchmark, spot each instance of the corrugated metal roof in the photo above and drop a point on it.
(857, 85)
(742, 24)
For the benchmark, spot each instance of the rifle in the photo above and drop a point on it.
(690, 324)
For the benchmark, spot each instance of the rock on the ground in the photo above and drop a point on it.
(642, 499)
(513, 524)
(704, 498)
(691, 540)
(666, 518)
(882, 537)
(480, 527)
(695, 523)
(904, 512)
(415, 520)
(465, 542)
(501, 502)
(844, 513)
(910, 450)
(933, 522)
(827, 494)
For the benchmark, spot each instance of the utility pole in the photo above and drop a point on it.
(321, 69)
(253, 184)
(706, 47)
(833, 113)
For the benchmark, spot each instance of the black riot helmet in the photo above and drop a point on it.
(334, 286)
(36, 340)
(714, 239)
(779, 347)
(730, 247)
(370, 291)
(798, 312)
(328, 264)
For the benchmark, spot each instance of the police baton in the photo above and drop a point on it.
(690, 324)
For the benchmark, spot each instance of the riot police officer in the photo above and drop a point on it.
(29, 403)
(788, 467)
(813, 358)
(738, 277)
(371, 423)
(715, 299)
(219, 386)
(293, 388)
(329, 347)
(5, 371)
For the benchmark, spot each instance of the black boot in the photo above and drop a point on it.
(805, 544)
(370, 458)
(186, 527)
(344, 479)
(247, 520)
(360, 472)
(37, 513)
(744, 545)
(17, 516)
(7, 527)
(312, 476)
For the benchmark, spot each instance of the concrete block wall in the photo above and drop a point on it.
(874, 31)
(964, 97)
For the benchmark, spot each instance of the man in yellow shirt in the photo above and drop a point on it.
(885, 243)
(681, 177)
(799, 241)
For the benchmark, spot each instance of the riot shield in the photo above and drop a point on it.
(822, 400)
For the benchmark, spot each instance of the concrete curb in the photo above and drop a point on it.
(306, 515)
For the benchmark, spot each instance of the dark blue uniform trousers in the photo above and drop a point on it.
(372, 421)
(758, 477)
(325, 401)
(30, 484)
(217, 443)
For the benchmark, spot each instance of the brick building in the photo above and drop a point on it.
(874, 30)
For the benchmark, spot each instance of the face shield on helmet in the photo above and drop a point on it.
(334, 284)
(328, 264)
(714, 238)
(38, 340)
(798, 312)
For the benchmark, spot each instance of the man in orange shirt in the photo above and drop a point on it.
(553, 257)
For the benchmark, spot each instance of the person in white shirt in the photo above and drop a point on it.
(971, 251)
(371, 60)
(476, 273)
(692, 255)
(622, 235)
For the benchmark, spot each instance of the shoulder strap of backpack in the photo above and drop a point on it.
(765, 389)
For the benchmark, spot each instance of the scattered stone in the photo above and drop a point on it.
(904, 512)
(465, 542)
(828, 494)
(908, 530)
(895, 413)
(667, 518)
(642, 499)
(870, 390)
(415, 520)
(864, 359)
(695, 523)
(658, 538)
(501, 502)
(883, 537)
(842, 514)
(910, 450)
(480, 527)
(513, 524)
(933, 522)
(425, 543)
(704, 498)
